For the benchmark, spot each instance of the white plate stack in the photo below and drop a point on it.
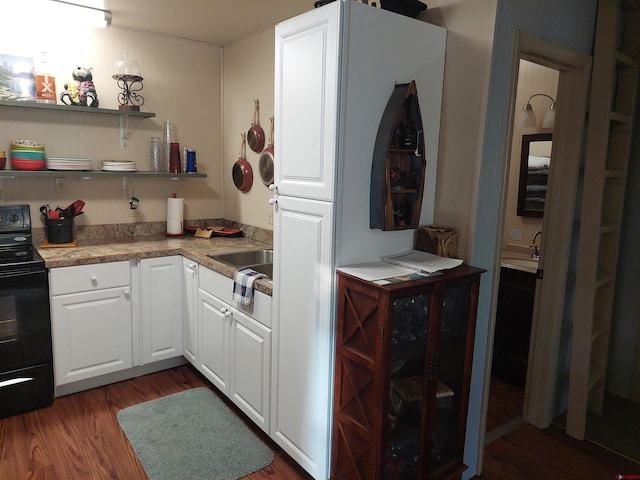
(118, 165)
(65, 163)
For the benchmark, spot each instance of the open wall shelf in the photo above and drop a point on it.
(75, 108)
(92, 174)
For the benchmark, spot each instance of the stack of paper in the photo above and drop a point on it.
(422, 261)
(403, 266)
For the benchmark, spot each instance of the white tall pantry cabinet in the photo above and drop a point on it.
(336, 67)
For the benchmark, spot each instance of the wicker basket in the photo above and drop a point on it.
(442, 241)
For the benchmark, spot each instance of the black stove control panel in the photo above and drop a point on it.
(15, 225)
(15, 218)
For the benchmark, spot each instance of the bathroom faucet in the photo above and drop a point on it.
(535, 253)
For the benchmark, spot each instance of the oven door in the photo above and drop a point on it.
(25, 326)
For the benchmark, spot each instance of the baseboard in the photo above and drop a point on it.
(90, 383)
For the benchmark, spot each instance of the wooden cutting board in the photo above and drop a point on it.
(59, 245)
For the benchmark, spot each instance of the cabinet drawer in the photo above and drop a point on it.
(221, 287)
(87, 278)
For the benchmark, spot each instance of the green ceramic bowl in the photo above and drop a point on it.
(26, 145)
(27, 155)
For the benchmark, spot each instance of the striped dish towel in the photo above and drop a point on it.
(243, 285)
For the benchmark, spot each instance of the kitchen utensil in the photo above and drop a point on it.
(265, 163)
(76, 207)
(242, 173)
(255, 135)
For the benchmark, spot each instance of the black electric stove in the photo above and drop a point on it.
(26, 363)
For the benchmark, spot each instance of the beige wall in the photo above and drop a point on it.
(181, 82)
(248, 74)
(470, 26)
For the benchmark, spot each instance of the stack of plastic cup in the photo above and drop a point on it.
(183, 159)
(169, 137)
(157, 155)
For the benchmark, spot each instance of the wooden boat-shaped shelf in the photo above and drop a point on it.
(399, 163)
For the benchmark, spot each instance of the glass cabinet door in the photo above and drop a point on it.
(409, 340)
(448, 370)
(427, 378)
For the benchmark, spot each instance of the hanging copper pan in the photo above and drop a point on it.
(255, 135)
(265, 163)
(242, 173)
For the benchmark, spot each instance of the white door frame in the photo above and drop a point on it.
(571, 105)
(573, 82)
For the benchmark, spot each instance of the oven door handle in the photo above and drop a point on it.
(16, 381)
(21, 272)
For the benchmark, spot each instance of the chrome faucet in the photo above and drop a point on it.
(535, 249)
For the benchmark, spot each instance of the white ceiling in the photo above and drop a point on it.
(218, 22)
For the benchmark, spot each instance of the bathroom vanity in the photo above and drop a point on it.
(513, 321)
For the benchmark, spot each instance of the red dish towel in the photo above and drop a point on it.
(243, 285)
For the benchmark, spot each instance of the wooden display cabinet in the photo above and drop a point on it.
(404, 352)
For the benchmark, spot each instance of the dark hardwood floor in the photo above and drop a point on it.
(526, 452)
(79, 438)
(505, 403)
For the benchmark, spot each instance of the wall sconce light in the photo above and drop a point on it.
(528, 119)
(47, 11)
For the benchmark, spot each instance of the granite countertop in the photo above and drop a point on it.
(137, 247)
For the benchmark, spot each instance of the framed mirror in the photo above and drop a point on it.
(535, 161)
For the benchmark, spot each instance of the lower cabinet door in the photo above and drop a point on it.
(161, 308)
(92, 334)
(190, 310)
(213, 354)
(251, 368)
(302, 359)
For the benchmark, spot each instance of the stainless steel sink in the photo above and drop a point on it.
(259, 260)
(266, 268)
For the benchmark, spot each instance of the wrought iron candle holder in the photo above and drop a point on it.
(129, 98)
(129, 80)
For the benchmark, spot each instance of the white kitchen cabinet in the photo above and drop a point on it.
(91, 320)
(306, 60)
(213, 358)
(161, 307)
(250, 367)
(190, 310)
(336, 67)
(302, 339)
(234, 350)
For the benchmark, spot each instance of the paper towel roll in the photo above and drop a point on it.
(175, 211)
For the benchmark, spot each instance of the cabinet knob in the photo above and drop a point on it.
(94, 280)
(273, 187)
(126, 293)
(273, 201)
(191, 265)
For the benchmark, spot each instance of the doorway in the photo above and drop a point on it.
(543, 357)
(537, 87)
